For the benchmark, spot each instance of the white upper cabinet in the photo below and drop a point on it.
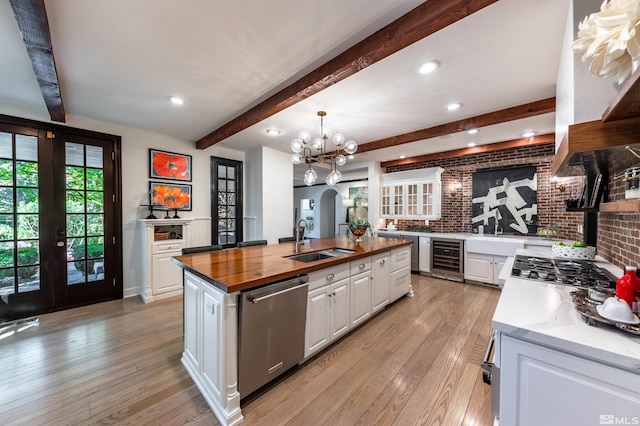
(413, 194)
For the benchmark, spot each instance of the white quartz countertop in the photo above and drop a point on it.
(451, 235)
(528, 239)
(544, 314)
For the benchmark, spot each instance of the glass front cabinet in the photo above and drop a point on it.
(413, 194)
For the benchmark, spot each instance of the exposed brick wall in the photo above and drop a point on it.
(619, 233)
(456, 209)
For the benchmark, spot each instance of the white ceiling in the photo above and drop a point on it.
(118, 60)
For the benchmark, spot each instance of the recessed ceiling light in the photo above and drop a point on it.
(472, 131)
(175, 100)
(453, 106)
(428, 67)
(273, 132)
(528, 134)
(470, 144)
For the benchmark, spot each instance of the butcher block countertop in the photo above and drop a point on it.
(238, 269)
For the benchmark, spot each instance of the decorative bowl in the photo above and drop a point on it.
(358, 231)
(586, 253)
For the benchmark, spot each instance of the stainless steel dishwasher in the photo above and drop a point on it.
(272, 326)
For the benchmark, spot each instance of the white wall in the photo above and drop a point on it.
(135, 178)
(269, 193)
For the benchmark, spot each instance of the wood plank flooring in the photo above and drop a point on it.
(118, 363)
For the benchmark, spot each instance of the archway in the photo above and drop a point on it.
(328, 227)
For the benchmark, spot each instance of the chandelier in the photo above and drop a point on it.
(309, 152)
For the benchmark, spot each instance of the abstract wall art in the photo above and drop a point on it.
(507, 196)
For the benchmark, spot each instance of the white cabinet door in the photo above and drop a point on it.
(327, 316)
(381, 283)
(360, 286)
(393, 200)
(191, 322)
(413, 200)
(400, 283)
(339, 314)
(424, 254)
(479, 267)
(483, 268)
(212, 343)
(166, 275)
(429, 199)
(317, 332)
(498, 263)
(542, 386)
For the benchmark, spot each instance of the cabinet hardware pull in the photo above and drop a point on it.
(330, 277)
(361, 266)
(383, 261)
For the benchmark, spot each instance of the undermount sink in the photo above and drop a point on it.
(498, 246)
(319, 255)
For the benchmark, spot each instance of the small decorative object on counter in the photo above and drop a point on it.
(358, 228)
(627, 285)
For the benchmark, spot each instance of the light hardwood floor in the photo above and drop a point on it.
(418, 362)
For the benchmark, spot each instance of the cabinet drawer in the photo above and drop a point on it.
(171, 245)
(400, 283)
(400, 258)
(360, 265)
(328, 275)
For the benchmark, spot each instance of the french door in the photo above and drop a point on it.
(226, 201)
(57, 221)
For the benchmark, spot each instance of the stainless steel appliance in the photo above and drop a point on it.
(579, 273)
(271, 332)
(491, 373)
(447, 259)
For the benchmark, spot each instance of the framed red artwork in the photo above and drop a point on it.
(169, 165)
(168, 196)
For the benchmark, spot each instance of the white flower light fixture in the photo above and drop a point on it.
(307, 152)
(612, 38)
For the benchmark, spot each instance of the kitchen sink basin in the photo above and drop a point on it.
(310, 257)
(498, 246)
(319, 255)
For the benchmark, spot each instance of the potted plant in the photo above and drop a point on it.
(358, 227)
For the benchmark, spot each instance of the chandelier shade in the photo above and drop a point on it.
(308, 152)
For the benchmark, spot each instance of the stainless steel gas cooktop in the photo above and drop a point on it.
(578, 273)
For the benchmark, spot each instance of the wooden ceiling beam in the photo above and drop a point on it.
(531, 109)
(426, 19)
(31, 17)
(481, 149)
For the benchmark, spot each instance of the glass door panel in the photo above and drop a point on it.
(226, 201)
(85, 213)
(19, 214)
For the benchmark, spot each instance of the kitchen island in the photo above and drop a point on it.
(554, 368)
(213, 282)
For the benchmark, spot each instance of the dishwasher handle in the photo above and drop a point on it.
(486, 365)
(300, 282)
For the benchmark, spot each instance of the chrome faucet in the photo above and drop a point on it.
(497, 216)
(298, 233)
